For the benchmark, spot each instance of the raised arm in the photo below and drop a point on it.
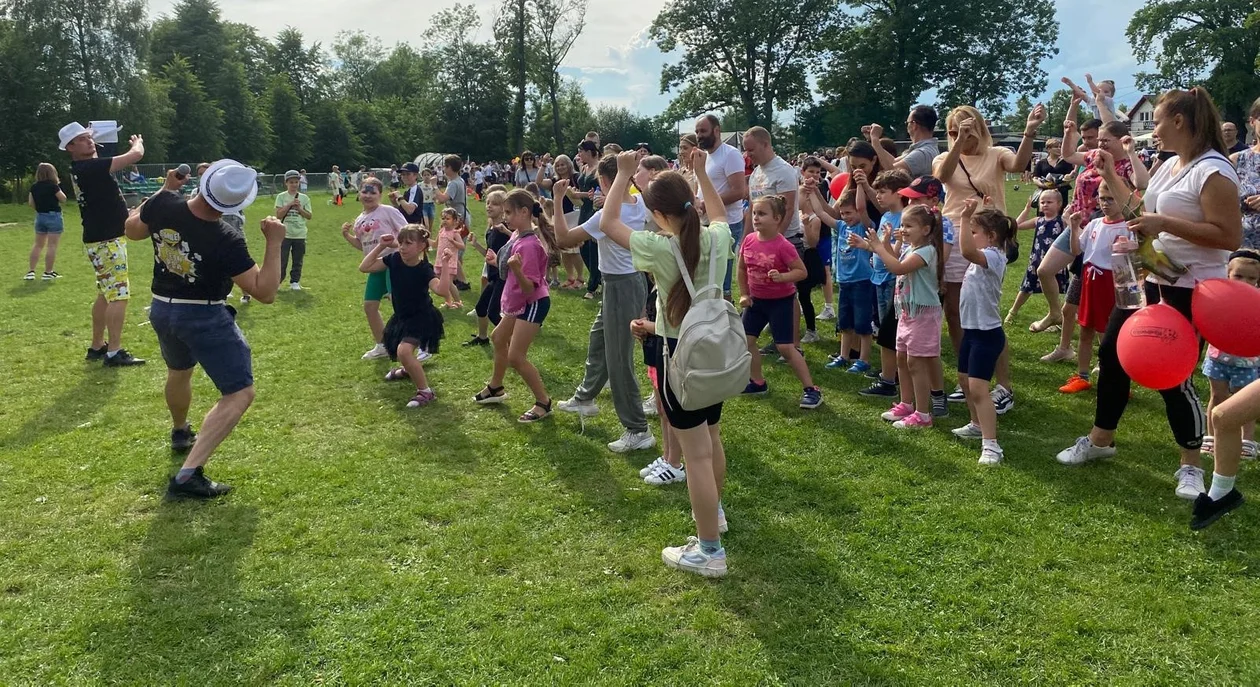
(1074, 233)
(967, 242)
(372, 261)
(1141, 177)
(610, 221)
(129, 158)
(886, 159)
(569, 237)
(1024, 155)
(1070, 136)
(347, 233)
(261, 283)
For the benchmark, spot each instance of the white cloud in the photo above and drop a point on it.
(617, 63)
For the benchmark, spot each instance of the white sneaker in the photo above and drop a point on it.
(30, 276)
(649, 405)
(990, 456)
(583, 408)
(668, 474)
(810, 336)
(1003, 399)
(1084, 451)
(968, 431)
(423, 355)
(294, 286)
(632, 441)
(689, 558)
(653, 466)
(1249, 449)
(376, 352)
(828, 313)
(1058, 354)
(1189, 482)
(471, 313)
(245, 298)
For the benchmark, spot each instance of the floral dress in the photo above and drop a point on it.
(1249, 178)
(1046, 231)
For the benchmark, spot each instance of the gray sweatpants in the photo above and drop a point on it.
(610, 353)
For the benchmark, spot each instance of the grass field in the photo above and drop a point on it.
(369, 543)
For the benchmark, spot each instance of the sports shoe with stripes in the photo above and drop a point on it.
(667, 474)
(690, 558)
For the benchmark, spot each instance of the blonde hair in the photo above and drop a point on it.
(566, 161)
(962, 112)
(498, 196)
(46, 172)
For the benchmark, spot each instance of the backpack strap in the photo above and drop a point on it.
(682, 268)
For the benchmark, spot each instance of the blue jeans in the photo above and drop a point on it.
(737, 233)
(206, 335)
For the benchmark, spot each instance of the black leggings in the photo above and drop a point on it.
(1181, 403)
(488, 303)
(805, 288)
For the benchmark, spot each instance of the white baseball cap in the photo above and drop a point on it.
(70, 132)
(229, 186)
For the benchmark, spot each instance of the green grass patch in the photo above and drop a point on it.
(369, 543)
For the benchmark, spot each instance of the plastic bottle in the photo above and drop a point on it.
(1130, 293)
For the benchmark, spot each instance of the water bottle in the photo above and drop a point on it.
(1130, 294)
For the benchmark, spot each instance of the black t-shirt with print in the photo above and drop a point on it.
(412, 195)
(44, 193)
(586, 183)
(100, 202)
(194, 259)
(409, 285)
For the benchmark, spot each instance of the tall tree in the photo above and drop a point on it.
(575, 114)
(254, 52)
(293, 141)
(1215, 43)
(338, 143)
(556, 24)
(377, 141)
(356, 57)
(195, 32)
(196, 125)
(244, 119)
(147, 110)
(511, 27)
(304, 66)
(473, 112)
(29, 108)
(751, 55)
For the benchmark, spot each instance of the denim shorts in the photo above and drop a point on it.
(1238, 377)
(205, 335)
(428, 209)
(48, 223)
(776, 312)
(856, 307)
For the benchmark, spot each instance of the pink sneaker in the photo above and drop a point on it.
(914, 421)
(899, 412)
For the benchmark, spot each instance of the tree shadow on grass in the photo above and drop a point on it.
(68, 410)
(27, 289)
(187, 619)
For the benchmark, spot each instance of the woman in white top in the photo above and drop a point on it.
(1191, 206)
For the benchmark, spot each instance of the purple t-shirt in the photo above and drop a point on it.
(762, 256)
(533, 266)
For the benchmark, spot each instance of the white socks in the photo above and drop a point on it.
(991, 444)
(1221, 485)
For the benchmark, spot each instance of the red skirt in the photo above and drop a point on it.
(1098, 298)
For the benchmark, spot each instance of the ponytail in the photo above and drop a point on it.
(670, 194)
(1001, 227)
(1203, 120)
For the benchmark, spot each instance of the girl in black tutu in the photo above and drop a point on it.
(416, 324)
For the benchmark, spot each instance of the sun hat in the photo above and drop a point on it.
(70, 132)
(292, 174)
(229, 186)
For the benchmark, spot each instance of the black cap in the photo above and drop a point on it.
(643, 146)
(410, 167)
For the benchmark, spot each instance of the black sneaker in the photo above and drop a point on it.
(462, 285)
(940, 407)
(1207, 511)
(880, 388)
(96, 354)
(183, 439)
(873, 373)
(477, 341)
(197, 487)
(122, 359)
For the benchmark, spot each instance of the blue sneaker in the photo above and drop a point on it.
(690, 558)
(837, 364)
(860, 367)
(755, 389)
(812, 398)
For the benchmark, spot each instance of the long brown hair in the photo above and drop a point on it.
(936, 235)
(46, 172)
(1001, 226)
(670, 195)
(1203, 120)
(519, 199)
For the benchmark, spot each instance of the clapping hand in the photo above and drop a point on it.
(272, 229)
(559, 188)
(859, 241)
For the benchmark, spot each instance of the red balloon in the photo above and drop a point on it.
(1227, 314)
(1158, 347)
(838, 182)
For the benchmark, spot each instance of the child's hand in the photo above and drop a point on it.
(393, 196)
(492, 258)
(859, 176)
(970, 205)
(745, 302)
(774, 275)
(447, 254)
(1074, 221)
(514, 261)
(859, 242)
(638, 328)
(627, 162)
(346, 228)
(388, 240)
(1127, 142)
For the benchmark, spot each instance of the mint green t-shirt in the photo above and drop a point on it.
(294, 223)
(651, 253)
(920, 289)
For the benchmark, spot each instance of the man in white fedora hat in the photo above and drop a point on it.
(103, 212)
(198, 257)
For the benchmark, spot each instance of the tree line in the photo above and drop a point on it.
(200, 87)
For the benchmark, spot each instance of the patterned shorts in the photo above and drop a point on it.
(109, 260)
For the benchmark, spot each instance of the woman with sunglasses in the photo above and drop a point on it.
(527, 173)
(976, 168)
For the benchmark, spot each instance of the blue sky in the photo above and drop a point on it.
(616, 63)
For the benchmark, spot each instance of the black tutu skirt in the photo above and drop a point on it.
(423, 330)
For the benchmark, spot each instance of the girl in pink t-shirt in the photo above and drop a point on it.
(768, 268)
(375, 221)
(449, 245)
(525, 302)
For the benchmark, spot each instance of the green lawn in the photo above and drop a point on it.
(369, 543)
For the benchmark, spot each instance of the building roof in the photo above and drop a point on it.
(1146, 98)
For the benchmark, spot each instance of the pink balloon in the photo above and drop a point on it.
(1227, 314)
(1158, 347)
(838, 182)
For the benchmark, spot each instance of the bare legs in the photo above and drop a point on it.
(706, 474)
(108, 316)
(372, 309)
(407, 358)
(47, 244)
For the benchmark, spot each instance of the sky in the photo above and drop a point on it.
(617, 64)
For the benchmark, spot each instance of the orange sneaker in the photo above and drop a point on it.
(1076, 384)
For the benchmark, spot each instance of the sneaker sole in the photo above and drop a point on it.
(811, 406)
(580, 411)
(703, 572)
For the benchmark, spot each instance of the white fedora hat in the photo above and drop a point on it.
(229, 186)
(70, 132)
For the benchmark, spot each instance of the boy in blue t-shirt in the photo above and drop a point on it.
(854, 318)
